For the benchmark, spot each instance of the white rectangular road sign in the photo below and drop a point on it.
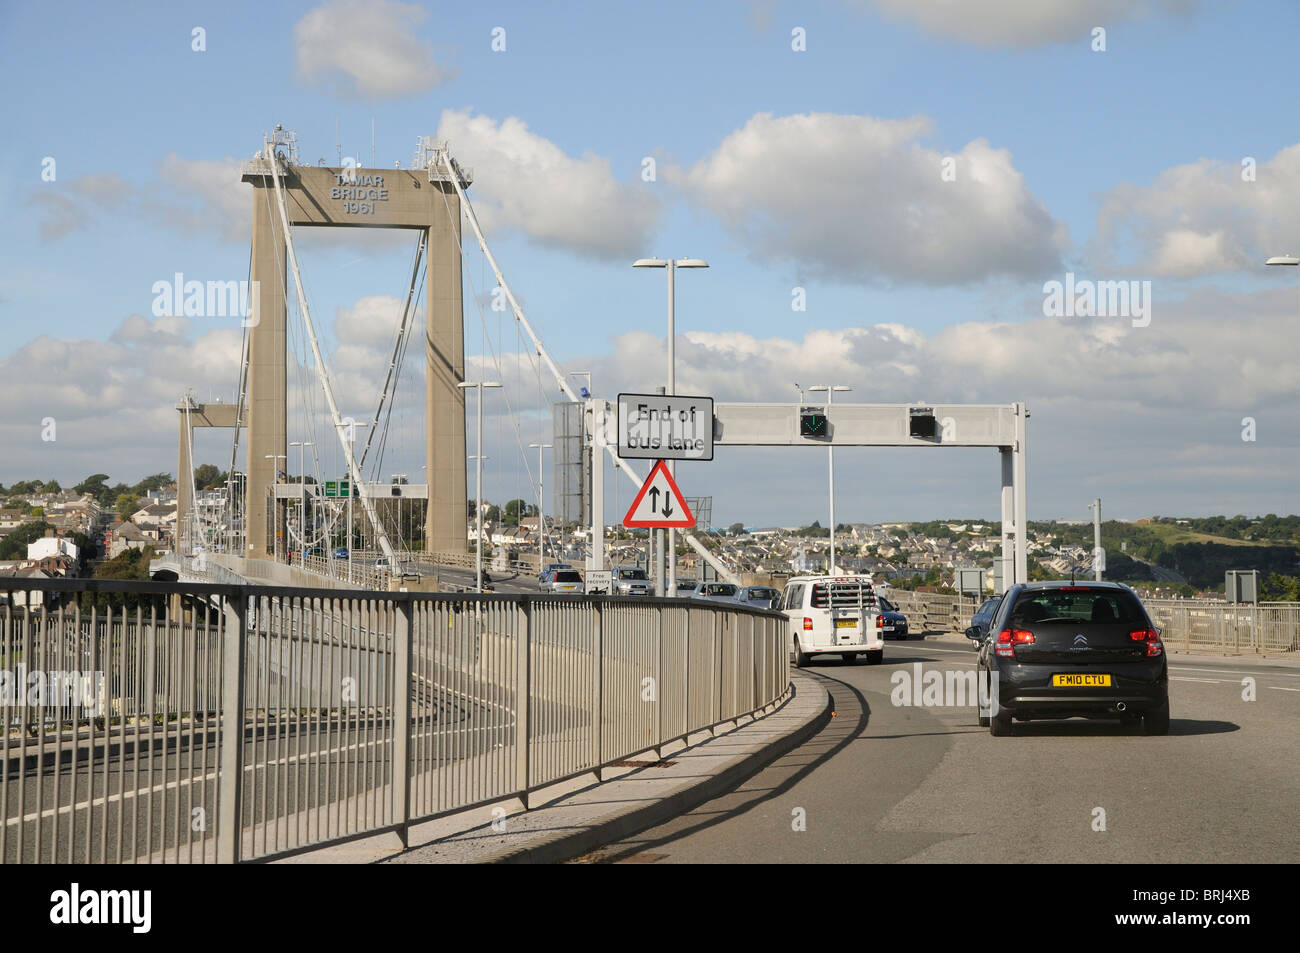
(665, 427)
(598, 581)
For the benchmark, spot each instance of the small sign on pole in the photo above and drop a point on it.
(1241, 585)
(659, 504)
(597, 582)
(970, 582)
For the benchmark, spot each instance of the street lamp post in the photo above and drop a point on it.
(597, 460)
(275, 502)
(1095, 506)
(351, 438)
(831, 390)
(672, 265)
(302, 446)
(478, 492)
(424, 545)
(541, 520)
(400, 479)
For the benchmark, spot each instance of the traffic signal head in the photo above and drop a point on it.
(921, 423)
(812, 423)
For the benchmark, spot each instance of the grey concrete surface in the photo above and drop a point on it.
(886, 783)
(588, 814)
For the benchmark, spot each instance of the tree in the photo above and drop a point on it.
(154, 483)
(735, 529)
(93, 484)
(1280, 588)
(86, 547)
(130, 564)
(517, 509)
(207, 476)
(491, 512)
(52, 487)
(14, 546)
(126, 504)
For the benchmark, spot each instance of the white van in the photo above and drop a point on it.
(833, 615)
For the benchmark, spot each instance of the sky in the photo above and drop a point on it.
(884, 191)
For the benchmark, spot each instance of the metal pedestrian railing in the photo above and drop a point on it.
(1225, 628)
(1186, 625)
(171, 722)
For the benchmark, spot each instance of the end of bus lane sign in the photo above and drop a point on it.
(665, 427)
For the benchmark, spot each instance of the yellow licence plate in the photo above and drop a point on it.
(1080, 680)
(846, 623)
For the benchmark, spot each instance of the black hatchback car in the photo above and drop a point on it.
(1064, 650)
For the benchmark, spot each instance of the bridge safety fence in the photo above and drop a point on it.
(189, 723)
(1186, 625)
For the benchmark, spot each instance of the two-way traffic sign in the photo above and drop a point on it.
(659, 504)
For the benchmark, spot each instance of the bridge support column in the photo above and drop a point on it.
(446, 517)
(267, 388)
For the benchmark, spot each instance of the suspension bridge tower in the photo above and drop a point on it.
(422, 197)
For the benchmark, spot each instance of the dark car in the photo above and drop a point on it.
(895, 623)
(715, 592)
(759, 597)
(984, 614)
(1064, 650)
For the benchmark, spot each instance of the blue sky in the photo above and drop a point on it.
(1084, 136)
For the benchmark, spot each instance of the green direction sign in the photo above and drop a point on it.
(338, 487)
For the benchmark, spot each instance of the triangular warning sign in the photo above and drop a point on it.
(659, 504)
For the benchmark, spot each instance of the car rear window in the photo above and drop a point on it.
(720, 589)
(1078, 605)
(763, 594)
(567, 576)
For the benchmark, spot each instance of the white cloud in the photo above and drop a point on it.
(1148, 417)
(1201, 218)
(859, 199)
(1023, 23)
(67, 208)
(187, 194)
(366, 48)
(526, 182)
(203, 194)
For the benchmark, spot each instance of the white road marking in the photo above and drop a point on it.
(1181, 678)
(1229, 671)
(1279, 688)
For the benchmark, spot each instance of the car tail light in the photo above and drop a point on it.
(1155, 648)
(880, 622)
(1008, 639)
(807, 624)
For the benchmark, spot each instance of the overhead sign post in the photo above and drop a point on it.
(659, 504)
(665, 427)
